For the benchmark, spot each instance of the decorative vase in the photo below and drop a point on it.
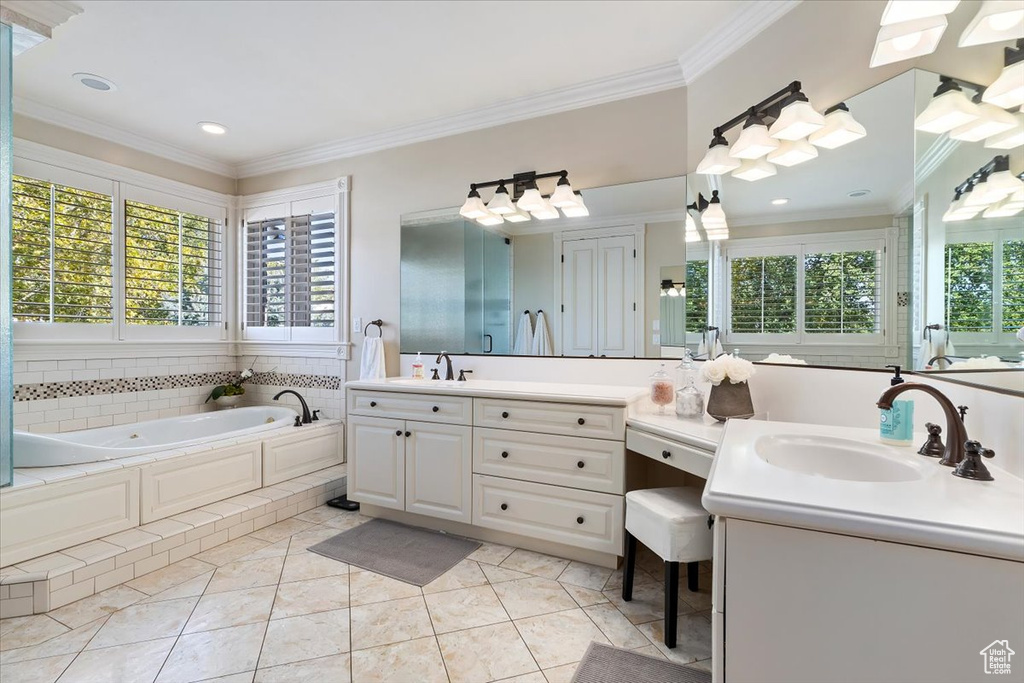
(228, 401)
(730, 400)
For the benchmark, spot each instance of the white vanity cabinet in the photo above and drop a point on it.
(437, 470)
(376, 461)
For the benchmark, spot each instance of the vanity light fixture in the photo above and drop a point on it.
(793, 152)
(957, 211)
(712, 218)
(1008, 90)
(992, 120)
(897, 11)
(754, 141)
(797, 119)
(212, 127)
(840, 128)
(531, 200)
(525, 201)
(948, 108)
(580, 210)
(563, 196)
(673, 289)
(1000, 183)
(996, 20)
(754, 169)
(908, 39)
(1003, 209)
(546, 212)
(491, 219)
(501, 202)
(690, 231)
(716, 160)
(474, 207)
(990, 187)
(1011, 138)
(518, 216)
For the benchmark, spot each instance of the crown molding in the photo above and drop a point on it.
(804, 216)
(940, 150)
(80, 124)
(746, 22)
(46, 14)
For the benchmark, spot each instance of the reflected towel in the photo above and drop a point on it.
(541, 339)
(937, 344)
(524, 336)
(371, 365)
(709, 347)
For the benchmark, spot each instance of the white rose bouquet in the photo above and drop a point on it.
(734, 369)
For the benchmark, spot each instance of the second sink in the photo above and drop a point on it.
(833, 458)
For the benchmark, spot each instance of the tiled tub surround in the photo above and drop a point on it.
(319, 380)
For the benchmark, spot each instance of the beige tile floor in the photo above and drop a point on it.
(261, 608)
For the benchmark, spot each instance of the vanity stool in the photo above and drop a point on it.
(673, 524)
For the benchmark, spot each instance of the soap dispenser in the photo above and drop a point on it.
(417, 367)
(896, 424)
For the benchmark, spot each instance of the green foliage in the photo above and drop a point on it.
(225, 390)
(841, 292)
(696, 295)
(1013, 285)
(969, 286)
(764, 294)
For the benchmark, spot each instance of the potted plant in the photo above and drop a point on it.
(730, 392)
(230, 395)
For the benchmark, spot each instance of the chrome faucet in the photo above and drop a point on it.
(306, 417)
(449, 373)
(956, 432)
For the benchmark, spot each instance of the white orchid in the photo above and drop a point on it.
(783, 359)
(247, 373)
(734, 369)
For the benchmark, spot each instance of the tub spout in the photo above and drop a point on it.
(306, 418)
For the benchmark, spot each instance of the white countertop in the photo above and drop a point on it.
(704, 433)
(937, 511)
(597, 394)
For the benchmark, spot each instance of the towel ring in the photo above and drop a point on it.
(380, 329)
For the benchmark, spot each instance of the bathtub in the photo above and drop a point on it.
(109, 443)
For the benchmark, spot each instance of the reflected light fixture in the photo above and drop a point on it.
(580, 210)
(501, 202)
(996, 20)
(752, 170)
(754, 141)
(897, 11)
(991, 120)
(840, 128)
(673, 289)
(1000, 183)
(992, 189)
(1007, 91)
(1003, 209)
(907, 39)
(716, 160)
(1011, 138)
(490, 219)
(712, 218)
(517, 217)
(797, 119)
(948, 108)
(474, 207)
(690, 231)
(957, 211)
(793, 152)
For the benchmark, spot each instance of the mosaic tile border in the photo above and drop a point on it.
(50, 390)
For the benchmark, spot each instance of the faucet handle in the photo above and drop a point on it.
(963, 412)
(462, 374)
(316, 415)
(435, 375)
(971, 467)
(298, 421)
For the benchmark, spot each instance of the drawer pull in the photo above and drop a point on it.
(505, 415)
(435, 409)
(408, 433)
(398, 433)
(579, 520)
(504, 506)
(373, 404)
(581, 464)
(504, 454)
(666, 454)
(581, 422)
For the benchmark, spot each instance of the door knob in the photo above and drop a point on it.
(398, 433)
(408, 433)
(666, 454)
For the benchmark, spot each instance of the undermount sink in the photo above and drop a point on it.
(427, 382)
(833, 458)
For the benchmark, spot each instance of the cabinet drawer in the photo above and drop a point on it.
(423, 407)
(687, 458)
(570, 419)
(580, 518)
(563, 460)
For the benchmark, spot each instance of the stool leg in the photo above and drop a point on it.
(691, 576)
(628, 569)
(671, 602)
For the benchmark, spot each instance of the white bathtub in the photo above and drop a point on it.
(109, 443)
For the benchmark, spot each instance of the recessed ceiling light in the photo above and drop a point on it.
(858, 193)
(780, 201)
(95, 82)
(213, 128)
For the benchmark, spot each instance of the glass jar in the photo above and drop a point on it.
(662, 389)
(689, 399)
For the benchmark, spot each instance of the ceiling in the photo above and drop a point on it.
(298, 75)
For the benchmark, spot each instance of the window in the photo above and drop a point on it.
(290, 272)
(763, 294)
(61, 255)
(842, 292)
(172, 267)
(697, 290)
(984, 283)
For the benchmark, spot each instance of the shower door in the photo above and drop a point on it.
(488, 291)
(6, 379)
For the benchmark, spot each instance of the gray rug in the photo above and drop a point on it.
(407, 553)
(604, 664)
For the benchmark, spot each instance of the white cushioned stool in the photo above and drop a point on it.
(674, 525)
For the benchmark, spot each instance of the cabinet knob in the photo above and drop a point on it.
(581, 464)
(581, 422)
(504, 454)
(505, 415)
(408, 433)
(504, 506)
(398, 433)
(579, 520)
(373, 404)
(435, 409)
(666, 454)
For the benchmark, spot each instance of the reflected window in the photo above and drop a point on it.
(984, 285)
(763, 294)
(697, 292)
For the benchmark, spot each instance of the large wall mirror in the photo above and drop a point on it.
(593, 285)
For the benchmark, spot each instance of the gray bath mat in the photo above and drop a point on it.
(604, 664)
(407, 553)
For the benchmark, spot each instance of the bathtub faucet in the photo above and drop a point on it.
(306, 417)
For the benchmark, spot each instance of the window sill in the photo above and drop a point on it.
(37, 349)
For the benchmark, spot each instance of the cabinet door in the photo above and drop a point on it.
(579, 284)
(376, 467)
(616, 297)
(438, 470)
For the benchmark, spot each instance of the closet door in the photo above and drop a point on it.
(579, 297)
(616, 296)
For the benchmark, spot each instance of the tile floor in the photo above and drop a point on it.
(261, 608)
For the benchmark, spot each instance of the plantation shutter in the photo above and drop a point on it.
(843, 291)
(1013, 285)
(969, 286)
(61, 253)
(173, 267)
(763, 294)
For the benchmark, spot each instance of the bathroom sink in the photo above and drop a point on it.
(433, 383)
(834, 458)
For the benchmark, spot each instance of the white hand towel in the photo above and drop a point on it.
(371, 365)
(524, 336)
(541, 339)
(702, 348)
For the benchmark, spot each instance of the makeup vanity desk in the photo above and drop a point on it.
(687, 444)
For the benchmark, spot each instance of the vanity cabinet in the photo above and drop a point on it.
(376, 462)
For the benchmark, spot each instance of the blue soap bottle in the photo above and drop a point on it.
(896, 424)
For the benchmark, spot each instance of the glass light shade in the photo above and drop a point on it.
(1011, 138)
(993, 120)
(840, 129)
(501, 203)
(907, 39)
(796, 121)
(793, 152)
(999, 185)
(952, 215)
(996, 20)
(904, 10)
(713, 215)
(691, 229)
(1008, 90)
(664, 293)
(754, 169)
(532, 201)
(490, 219)
(546, 212)
(977, 198)
(518, 217)
(719, 231)
(753, 143)
(473, 208)
(673, 292)
(946, 112)
(580, 210)
(717, 161)
(1003, 209)
(563, 197)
